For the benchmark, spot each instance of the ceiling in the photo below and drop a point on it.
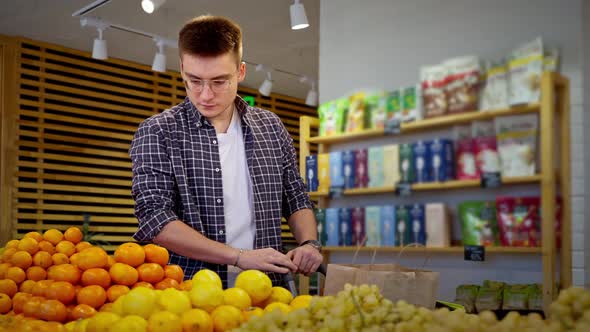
(268, 38)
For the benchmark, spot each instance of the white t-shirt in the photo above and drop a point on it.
(238, 204)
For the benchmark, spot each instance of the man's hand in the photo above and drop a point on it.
(266, 259)
(307, 259)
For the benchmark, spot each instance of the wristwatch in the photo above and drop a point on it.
(314, 243)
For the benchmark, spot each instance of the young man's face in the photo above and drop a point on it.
(212, 83)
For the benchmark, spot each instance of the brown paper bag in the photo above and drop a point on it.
(418, 287)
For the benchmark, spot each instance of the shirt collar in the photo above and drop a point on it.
(241, 106)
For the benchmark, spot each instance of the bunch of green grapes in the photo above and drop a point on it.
(572, 309)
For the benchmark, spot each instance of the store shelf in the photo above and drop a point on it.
(505, 250)
(428, 124)
(431, 186)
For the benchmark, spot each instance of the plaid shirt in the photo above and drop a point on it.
(177, 176)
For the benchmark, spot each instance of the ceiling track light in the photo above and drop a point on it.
(298, 16)
(266, 86)
(99, 48)
(150, 6)
(312, 94)
(159, 63)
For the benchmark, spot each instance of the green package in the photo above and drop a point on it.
(406, 163)
(489, 296)
(394, 105)
(403, 231)
(478, 223)
(536, 297)
(466, 295)
(332, 115)
(376, 108)
(516, 297)
(357, 118)
(320, 217)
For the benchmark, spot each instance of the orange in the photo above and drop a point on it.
(75, 259)
(110, 261)
(167, 283)
(52, 310)
(150, 272)
(226, 318)
(130, 253)
(27, 286)
(47, 247)
(96, 276)
(156, 254)
(22, 259)
(123, 274)
(40, 288)
(36, 273)
(83, 245)
(15, 274)
(74, 235)
(143, 284)
(62, 291)
(3, 268)
(65, 247)
(29, 245)
(115, 291)
(83, 311)
(8, 287)
(58, 258)
(5, 304)
(7, 255)
(31, 307)
(42, 259)
(53, 236)
(93, 257)
(34, 235)
(93, 295)
(174, 272)
(18, 301)
(12, 244)
(64, 272)
(186, 285)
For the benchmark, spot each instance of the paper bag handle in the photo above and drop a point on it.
(358, 248)
(414, 244)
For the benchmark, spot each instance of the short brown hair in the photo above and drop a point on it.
(209, 35)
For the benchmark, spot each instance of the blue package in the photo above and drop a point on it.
(336, 173)
(373, 226)
(332, 223)
(388, 225)
(442, 161)
(311, 173)
(345, 227)
(418, 224)
(421, 155)
(348, 169)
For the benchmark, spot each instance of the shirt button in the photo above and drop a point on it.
(221, 232)
(218, 200)
(214, 141)
(217, 170)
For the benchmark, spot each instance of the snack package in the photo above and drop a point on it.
(486, 151)
(320, 217)
(348, 163)
(516, 297)
(466, 167)
(345, 227)
(403, 226)
(336, 169)
(489, 296)
(519, 221)
(358, 226)
(517, 144)
(388, 225)
(391, 174)
(376, 104)
(466, 295)
(462, 86)
(332, 115)
(373, 226)
(332, 225)
(526, 67)
(434, 83)
(376, 169)
(441, 160)
(495, 93)
(412, 104)
(536, 297)
(324, 172)
(551, 60)
(406, 163)
(422, 163)
(311, 173)
(356, 118)
(478, 223)
(361, 176)
(418, 218)
(394, 105)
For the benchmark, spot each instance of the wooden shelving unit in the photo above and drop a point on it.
(554, 87)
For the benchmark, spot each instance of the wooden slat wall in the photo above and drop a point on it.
(76, 117)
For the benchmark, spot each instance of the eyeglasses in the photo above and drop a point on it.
(217, 86)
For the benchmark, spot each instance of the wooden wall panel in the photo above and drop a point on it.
(75, 119)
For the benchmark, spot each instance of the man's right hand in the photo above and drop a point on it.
(267, 259)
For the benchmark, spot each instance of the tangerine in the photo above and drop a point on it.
(175, 272)
(3, 268)
(47, 247)
(143, 284)
(83, 245)
(123, 274)
(156, 254)
(115, 291)
(8, 287)
(40, 288)
(5, 304)
(150, 272)
(64, 272)
(7, 255)
(74, 235)
(93, 257)
(92, 295)
(15, 274)
(82, 311)
(53, 236)
(12, 244)
(58, 258)
(96, 276)
(62, 291)
(36, 273)
(31, 307)
(34, 235)
(52, 310)
(66, 247)
(18, 301)
(130, 253)
(167, 283)
(29, 245)
(27, 286)
(43, 259)
(22, 259)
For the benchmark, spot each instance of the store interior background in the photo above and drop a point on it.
(369, 44)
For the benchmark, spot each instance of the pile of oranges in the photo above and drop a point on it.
(58, 277)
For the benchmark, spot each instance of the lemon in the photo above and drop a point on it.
(206, 275)
(301, 301)
(131, 323)
(257, 284)
(164, 321)
(196, 320)
(70, 326)
(226, 317)
(278, 305)
(117, 307)
(174, 301)
(139, 301)
(206, 296)
(278, 294)
(252, 312)
(81, 325)
(237, 297)
(101, 322)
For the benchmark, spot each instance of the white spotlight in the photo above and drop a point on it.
(99, 48)
(312, 96)
(298, 17)
(159, 63)
(266, 86)
(150, 6)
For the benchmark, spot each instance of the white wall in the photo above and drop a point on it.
(586, 119)
(383, 43)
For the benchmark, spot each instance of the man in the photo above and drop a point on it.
(212, 176)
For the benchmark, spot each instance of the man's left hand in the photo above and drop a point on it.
(307, 259)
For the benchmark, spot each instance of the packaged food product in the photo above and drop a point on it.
(462, 84)
(486, 151)
(438, 225)
(536, 297)
(517, 138)
(332, 117)
(376, 104)
(526, 67)
(418, 218)
(465, 153)
(320, 217)
(358, 226)
(349, 169)
(411, 104)
(403, 226)
(311, 173)
(422, 162)
(489, 296)
(356, 118)
(345, 237)
(551, 60)
(391, 174)
(376, 170)
(519, 221)
(324, 172)
(332, 226)
(336, 169)
(373, 226)
(394, 105)
(478, 223)
(361, 177)
(388, 225)
(406, 163)
(495, 92)
(442, 160)
(516, 297)
(466, 295)
(434, 83)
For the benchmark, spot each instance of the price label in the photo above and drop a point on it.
(403, 188)
(392, 127)
(474, 253)
(336, 191)
(490, 179)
